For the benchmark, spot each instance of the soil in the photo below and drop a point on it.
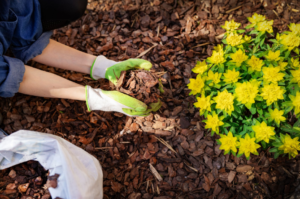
(168, 154)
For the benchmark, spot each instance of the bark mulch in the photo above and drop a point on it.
(167, 154)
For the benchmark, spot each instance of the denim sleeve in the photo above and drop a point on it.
(11, 75)
(11, 69)
(28, 39)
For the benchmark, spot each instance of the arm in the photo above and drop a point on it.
(62, 56)
(43, 84)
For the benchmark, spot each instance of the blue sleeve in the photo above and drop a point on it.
(21, 30)
(28, 39)
(11, 69)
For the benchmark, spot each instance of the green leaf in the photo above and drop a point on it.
(249, 26)
(260, 111)
(287, 53)
(237, 109)
(273, 40)
(297, 124)
(223, 130)
(221, 68)
(253, 110)
(239, 155)
(232, 129)
(241, 31)
(273, 150)
(255, 32)
(262, 42)
(243, 133)
(233, 124)
(276, 155)
(226, 125)
(288, 103)
(259, 98)
(288, 109)
(234, 114)
(290, 130)
(276, 144)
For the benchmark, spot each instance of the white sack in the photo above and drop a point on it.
(80, 173)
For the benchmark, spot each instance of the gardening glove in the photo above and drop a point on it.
(98, 99)
(111, 70)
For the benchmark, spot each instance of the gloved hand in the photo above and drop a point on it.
(98, 99)
(111, 70)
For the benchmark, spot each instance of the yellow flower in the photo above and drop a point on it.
(239, 57)
(230, 26)
(272, 74)
(290, 146)
(256, 18)
(247, 38)
(296, 102)
(247, 146)
(276, 115)
(234, 39)
(215, 77)
(263, 132)
(271, 93)
(217, 57)
(213, 122)
(278, 37)
(246, 92)
(224, 101)
(296, 76)
(273, 56)
(219, 48)
(255, 64)
(228, 142)
(290, 41)
(295, 63)
(196, 85)
(295, 28)
(203, 103)
(231, 76)
(265, 26)
(200, 67)
(282, 65)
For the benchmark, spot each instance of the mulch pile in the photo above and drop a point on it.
(140, 84)
(167, 154)
(26, 181)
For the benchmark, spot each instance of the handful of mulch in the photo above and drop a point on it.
(26, 181)
(141, 84)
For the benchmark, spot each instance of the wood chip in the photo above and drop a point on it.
(155, 173)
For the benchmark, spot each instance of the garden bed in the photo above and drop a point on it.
(167, 154)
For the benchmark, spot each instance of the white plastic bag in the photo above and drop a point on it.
(80, 173)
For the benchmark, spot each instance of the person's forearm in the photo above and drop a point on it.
(43, 84)
(65, 57)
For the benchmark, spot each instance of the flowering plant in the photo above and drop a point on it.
(249, 89)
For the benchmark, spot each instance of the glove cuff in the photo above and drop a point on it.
(87, 97)
(100, 64)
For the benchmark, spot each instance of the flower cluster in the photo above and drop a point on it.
(249, 91)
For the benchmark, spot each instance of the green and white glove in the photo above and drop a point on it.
(111, 70)
(98, 99)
